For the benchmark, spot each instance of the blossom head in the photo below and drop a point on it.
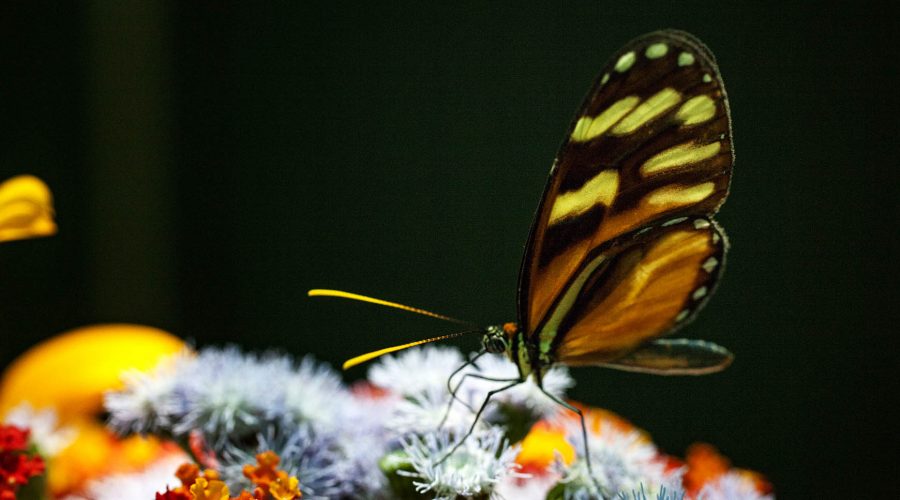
(18, 465)
(623, 459)
(473, 469)
(710, 476)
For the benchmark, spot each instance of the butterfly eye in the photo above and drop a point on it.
(494, 340)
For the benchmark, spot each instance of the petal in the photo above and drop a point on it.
(26, 209)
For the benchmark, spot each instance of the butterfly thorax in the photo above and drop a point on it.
(508, 339)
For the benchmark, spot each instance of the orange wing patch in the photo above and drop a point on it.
(646, 289)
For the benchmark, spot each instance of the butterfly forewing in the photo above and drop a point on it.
(651, 143)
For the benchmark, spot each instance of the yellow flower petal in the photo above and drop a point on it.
(209, 490)
(541, 445)
(71, 372)
(285, 489)
(26, 209)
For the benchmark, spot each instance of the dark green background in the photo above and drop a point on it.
(211, 163)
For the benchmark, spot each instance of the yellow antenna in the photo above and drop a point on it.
(362, 298)
(350, 363)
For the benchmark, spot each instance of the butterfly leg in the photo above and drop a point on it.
(470, 362)
(454, 391)
(584, 437)
(490, 394)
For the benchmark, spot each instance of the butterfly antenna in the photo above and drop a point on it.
(362, 298)
(350, 363)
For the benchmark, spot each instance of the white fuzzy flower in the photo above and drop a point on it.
(135, 486)
(45, 431)
(526, 488)
(145, 404)
(475, 468)
(526, 395)
(421, 376)
(228, 393)
(732, 486)
(312, 393)
(622, 460)
(415, 371)
(425, 412)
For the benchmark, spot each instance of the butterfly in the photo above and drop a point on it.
(623, 250)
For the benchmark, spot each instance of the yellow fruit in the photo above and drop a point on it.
(71, 372)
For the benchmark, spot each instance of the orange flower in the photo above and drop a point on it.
(265, 472)
(270, 483)
(204, 489)
(706, 465)
(546, 438)
(285, 488)
(268, 479)
(597, 419)
(541, 446)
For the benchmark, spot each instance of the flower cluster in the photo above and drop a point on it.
(269, 482)
(400, 436)
(225, 407)
(18, 463)
(427, 422)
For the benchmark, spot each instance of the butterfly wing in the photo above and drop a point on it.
(651, 143)
(635, 288)
(674, 357)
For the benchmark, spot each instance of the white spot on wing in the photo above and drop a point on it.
(625, 62)
(674, 221)
(656, 50)
(710, 264)
(699, 293)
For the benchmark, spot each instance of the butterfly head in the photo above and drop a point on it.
(497, 338)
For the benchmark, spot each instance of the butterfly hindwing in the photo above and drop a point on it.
(633, 289)
(651, 142)
(674, 357)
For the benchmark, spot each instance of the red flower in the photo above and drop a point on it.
(17, 466)
(173, 495)
(13, 438)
